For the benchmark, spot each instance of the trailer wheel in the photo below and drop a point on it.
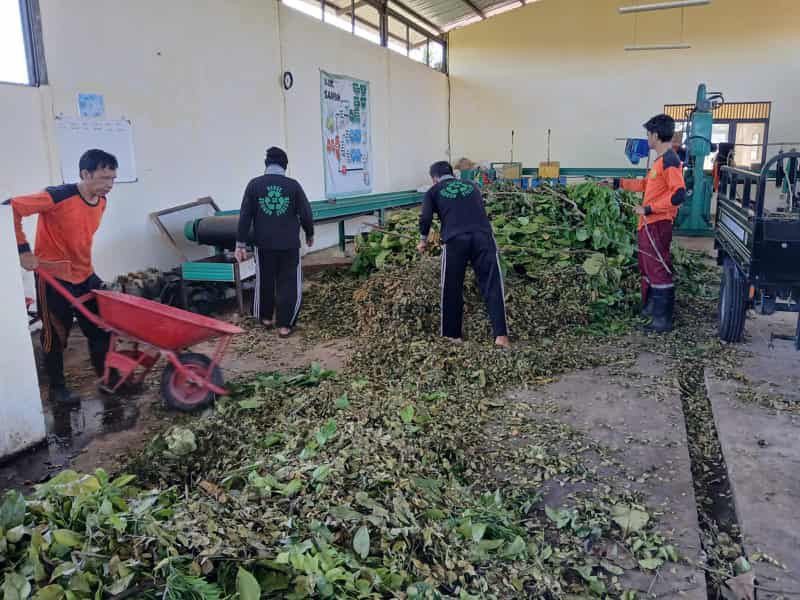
(732, 303)
(181, 394)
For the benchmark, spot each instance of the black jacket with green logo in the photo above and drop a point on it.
(275, 207)
(459, 205)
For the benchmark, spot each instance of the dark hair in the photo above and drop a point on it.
(441, 168)
(276, 156)
(95, 159)
(663, 126)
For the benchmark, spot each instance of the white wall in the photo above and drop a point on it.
(201, 84)
(560, 64)
(21, 419)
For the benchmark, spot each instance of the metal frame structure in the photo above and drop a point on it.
(403, 14)
(31, 25)
(760, 251)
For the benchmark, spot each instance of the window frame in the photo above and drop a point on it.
(386, 12)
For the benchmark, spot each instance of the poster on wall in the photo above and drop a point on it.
(346, 135)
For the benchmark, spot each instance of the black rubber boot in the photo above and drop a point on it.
(647, 307)
(663, 310)
(60, 394)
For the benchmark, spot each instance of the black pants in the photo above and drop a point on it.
(57, 315)
(279, 281)
(479, 250)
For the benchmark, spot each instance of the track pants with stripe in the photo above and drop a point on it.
(655, 261)
(57, 315)
(279, 286)
(479, 250)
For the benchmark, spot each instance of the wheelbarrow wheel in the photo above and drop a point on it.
(732, 303)
(181, 394)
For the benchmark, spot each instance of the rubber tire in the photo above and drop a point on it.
(732, 303)
(177, 403)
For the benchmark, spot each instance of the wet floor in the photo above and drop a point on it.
(69, 430)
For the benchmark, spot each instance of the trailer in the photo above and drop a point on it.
(757, 246)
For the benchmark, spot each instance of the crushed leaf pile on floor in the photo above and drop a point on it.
(372, 482)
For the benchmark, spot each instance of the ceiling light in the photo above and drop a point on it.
(662, 6)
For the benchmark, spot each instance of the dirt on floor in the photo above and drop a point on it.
(104, 431)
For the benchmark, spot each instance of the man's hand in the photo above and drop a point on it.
(422, 246)
(310, 242)
(639, 210)
(240, 254)
(29, 261)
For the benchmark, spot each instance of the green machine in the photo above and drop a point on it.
(694, 217)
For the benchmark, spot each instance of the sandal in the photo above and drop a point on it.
(284, 332)
(268, 324)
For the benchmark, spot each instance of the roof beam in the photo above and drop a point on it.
(474, 8)
(417, 16)
(346, 10)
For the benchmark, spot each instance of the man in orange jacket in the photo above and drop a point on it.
(68, 215)
(664, 192)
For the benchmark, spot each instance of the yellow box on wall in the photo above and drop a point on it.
(549, 170)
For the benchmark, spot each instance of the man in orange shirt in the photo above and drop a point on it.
(664, 192)
(69, 216)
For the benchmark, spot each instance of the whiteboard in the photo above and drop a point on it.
(76, 136)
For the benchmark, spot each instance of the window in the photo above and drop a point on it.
(13, 53)
(405, 33)
(20, 43)
(743, 124)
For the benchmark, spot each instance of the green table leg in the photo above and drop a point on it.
(342, 240)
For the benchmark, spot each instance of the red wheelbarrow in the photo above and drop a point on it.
(142, 331)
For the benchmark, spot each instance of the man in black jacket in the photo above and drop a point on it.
(467, 237)
(275, 207)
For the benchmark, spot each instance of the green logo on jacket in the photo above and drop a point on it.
(275, 203)
(455, 190)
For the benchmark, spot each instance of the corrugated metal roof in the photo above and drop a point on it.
(442, 14)
(446, 13)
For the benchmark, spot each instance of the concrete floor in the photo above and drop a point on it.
(619, 409)
(762, 451)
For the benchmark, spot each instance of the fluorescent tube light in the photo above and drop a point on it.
(662, 6)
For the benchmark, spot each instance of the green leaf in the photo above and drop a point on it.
(12, 511)
(51, 592)
(344, 513)
(516, 548)
(293, 487)
(651, 564)
(251, 404)
(121, 584)
(247, 586)
(407, 414)
(62, 570)
(380, 260)
(122, 481)
(361, 542)
(478, 531)
(68, 538)
(343, 401)
(582, 234)
(594, 264)
(16, 587)
(326, 432)
(628, 518)
(321, 473)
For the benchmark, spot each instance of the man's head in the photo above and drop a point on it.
(440, 169)
(277, 157)
(677, 140)
(660, 130)
(98, 170)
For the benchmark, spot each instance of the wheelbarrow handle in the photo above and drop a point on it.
(78, 303)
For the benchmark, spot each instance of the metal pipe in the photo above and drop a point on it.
(657, 47)
(623, 10)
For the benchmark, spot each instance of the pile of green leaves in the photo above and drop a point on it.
(583, 235)
(382, 480)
